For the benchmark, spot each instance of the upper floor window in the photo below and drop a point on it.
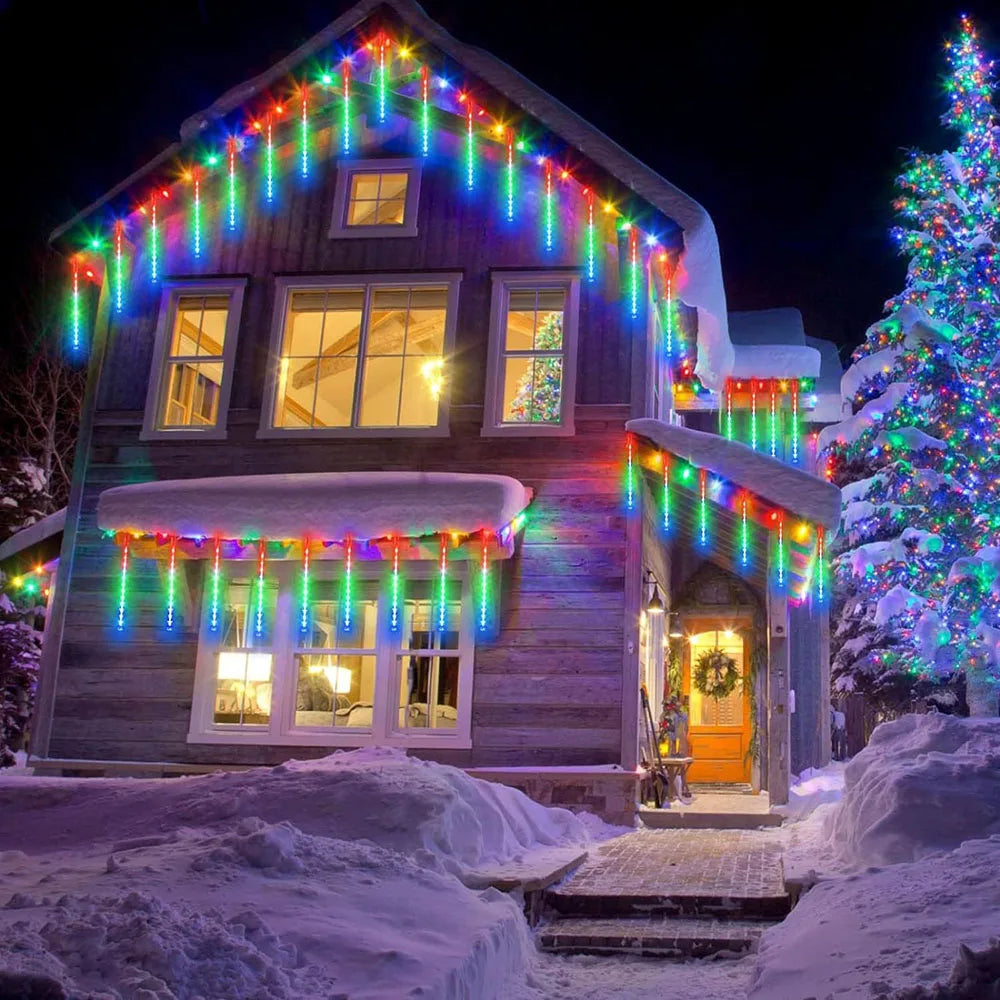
(531, 385)
(363, 356)
(193, 358)
(376, 198)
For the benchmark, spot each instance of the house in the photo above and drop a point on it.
(409, 391)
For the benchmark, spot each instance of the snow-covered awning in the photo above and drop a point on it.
(317, 505)
(798, 492)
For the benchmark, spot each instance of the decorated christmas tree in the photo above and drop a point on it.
(917, 567)
(538, 395)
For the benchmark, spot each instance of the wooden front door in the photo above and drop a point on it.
(719, 728)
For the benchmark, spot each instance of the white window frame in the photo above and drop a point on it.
(340, 230)
(281, 729)
(173, 291)
(285, 286)
(503, 283)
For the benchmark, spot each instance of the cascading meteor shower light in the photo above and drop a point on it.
(154, 243)
(348, 570)
(123, 586)
(394, 605)
(670, 313)
(269, 160)
(753, 414)
(549, 207)
(304, 606)
(304, 166)
(591, 252)
(213, 614)
(119, 266)
(75, 304)
(196, 211)
(442, 616)
(773, 426)
(744, 531)
(795, 421)
(729, 410)
(510, 175)
(781, 550)
(666, 492)
(629, 473)
(345, 76)
(261, 563)
(484, 584)
(470, 148)
(633, 258)
(171, 582)
(703, 507)
(231, 152)
(425, 110)
(820, 563)
(383, 45)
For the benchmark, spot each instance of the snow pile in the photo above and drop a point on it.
(923, 783)
(328, 878)
(814, 787)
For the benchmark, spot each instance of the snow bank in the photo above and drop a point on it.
(814, 787)
(328, 878)
(923, 783)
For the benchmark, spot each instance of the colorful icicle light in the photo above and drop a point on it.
(269, 160)
(633, 263)
(549, 205)
(123, 585)
(670, 315)
(510, 175)
(304, 165)
(781, 551)
(744, 531)
(231, 152)
(154, 243)
(591, 239)
(442, 615)
(75, 305)
(345, 75)
(795, 422)
(484, 584)
(820, 562)
(729, 410)
(348, 587)
(753, 414)
(304, 606)
(470, 148)
(394, 596)
(383, 44)
(630, 473)
(773, 424)
(171, 582)
(666, 492)
(425, 110)
(196, 212)
(703, 507)
(261, 563)
(213, 612)
(119, 266)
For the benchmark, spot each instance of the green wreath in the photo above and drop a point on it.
(715, 674)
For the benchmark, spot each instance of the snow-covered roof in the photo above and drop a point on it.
(776, 361)
(796, 491)
(327, 505)
(767, 326)
(34, 534)
(699, 278)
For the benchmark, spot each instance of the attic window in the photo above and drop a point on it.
(376, 198)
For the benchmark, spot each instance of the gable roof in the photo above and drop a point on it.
(699, 279)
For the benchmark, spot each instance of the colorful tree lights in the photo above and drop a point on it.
(920, 460)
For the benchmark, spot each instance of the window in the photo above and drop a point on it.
(533, 355)
(363, 357)
(262, 678)
(376, 198)
(193, 359)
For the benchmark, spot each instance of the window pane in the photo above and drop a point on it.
(420, 623)
(421, 389)
(428, 692)
(364, 186)
(326, 622)
(187, 324)
(335, 690)
(380, 392)
(393, 187)
(335, 391)
(428, 311)
(213, 326)
(377, 199)
(362, 213)
(521, 321)
(199, 326)
(243, 688)
(192, 394)
(390, 213)
(240, 614)
(532, 390)
(548, 331)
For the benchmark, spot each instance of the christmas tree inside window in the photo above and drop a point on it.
(533, 356)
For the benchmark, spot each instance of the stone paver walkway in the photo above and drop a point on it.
(735, 863)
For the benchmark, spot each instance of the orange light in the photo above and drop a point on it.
(663, 258)
(258, 126)
(279, 109)
(564, 174)
(462, 98)
(802, 532)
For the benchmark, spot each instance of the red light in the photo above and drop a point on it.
(89, 273)
(774, 515)
(280, 109)
(165, 193)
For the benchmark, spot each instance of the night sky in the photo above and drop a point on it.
(788, 128)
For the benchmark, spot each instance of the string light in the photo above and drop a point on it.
(348, 571)
(666, 492)
(703, 507)
(633, 255)
(213, 614)
(305, 131)
(670, 316)
(510, 175)
(774, 421)
(383, 44)
(753, 414)
(442, 617)
(820, 562)
(123, 585)
(729, 410)
(744, 531)
(154, 248)
(119, 266)
(425, 110)
(261, 560)
(171, 581)
(269, 159)
(196, 180)
(549, 208)
(345, 75)
(470, 150)
(304, 606)
(630, 474)
(394, 604)
(795, 422)
(484, 584)
(231, 151)
(591, 253)
(75, 264)
(781, 550)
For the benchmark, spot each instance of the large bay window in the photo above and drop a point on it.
(356, 356)
(275, 673)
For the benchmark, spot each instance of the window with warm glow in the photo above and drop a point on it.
(533, 350)
(376, 198)
(362, 356)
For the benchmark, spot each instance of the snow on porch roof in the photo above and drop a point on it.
(322, 505)
(798, 492)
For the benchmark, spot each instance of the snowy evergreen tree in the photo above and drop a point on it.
(917, 567)
(20, 648)
(537, 397)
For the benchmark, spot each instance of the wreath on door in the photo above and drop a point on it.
(715, 674)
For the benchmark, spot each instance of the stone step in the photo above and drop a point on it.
(701, 905)
(661, 937)
(679, 818)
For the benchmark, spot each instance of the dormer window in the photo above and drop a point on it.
(376, 198)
